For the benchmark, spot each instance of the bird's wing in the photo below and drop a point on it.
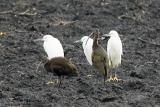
(53, 49)
(60, 70)
(115, 46)
(100, 60)
(88, 50)
(106, 67)
(114, 51)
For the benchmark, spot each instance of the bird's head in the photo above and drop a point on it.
(112, 33)
(45, 38)
(94, 35)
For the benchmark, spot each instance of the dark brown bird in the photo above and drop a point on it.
(56, 62)
(99, 56)
(60, 66)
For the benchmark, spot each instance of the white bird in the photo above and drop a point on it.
(87, 47)
(114, 50)
(52, 46)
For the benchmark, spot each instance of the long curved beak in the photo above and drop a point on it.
(89, 37)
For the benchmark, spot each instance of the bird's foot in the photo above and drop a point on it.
(115, 78)
(56, 81)
(111, 78)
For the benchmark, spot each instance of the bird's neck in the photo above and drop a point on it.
(95, 43)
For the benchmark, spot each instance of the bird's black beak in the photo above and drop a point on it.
(105, 36)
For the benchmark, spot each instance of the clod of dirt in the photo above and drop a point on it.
(134, 85)
(137, 74)
(109, 98)
(2, 95)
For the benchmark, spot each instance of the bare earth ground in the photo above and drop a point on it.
(22, 21)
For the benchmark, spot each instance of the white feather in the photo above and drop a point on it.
(52, 47)
(114, 49)
(87, 48)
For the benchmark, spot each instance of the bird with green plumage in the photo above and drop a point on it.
(99, 56)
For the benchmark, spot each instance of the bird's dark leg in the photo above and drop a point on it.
(104, 79)
(105, 74)
(106, 71)
(60, 80)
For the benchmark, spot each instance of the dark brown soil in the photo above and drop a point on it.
(22, 21)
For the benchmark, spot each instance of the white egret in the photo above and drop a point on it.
(114, 51)
(52, 47)
(87, 47)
